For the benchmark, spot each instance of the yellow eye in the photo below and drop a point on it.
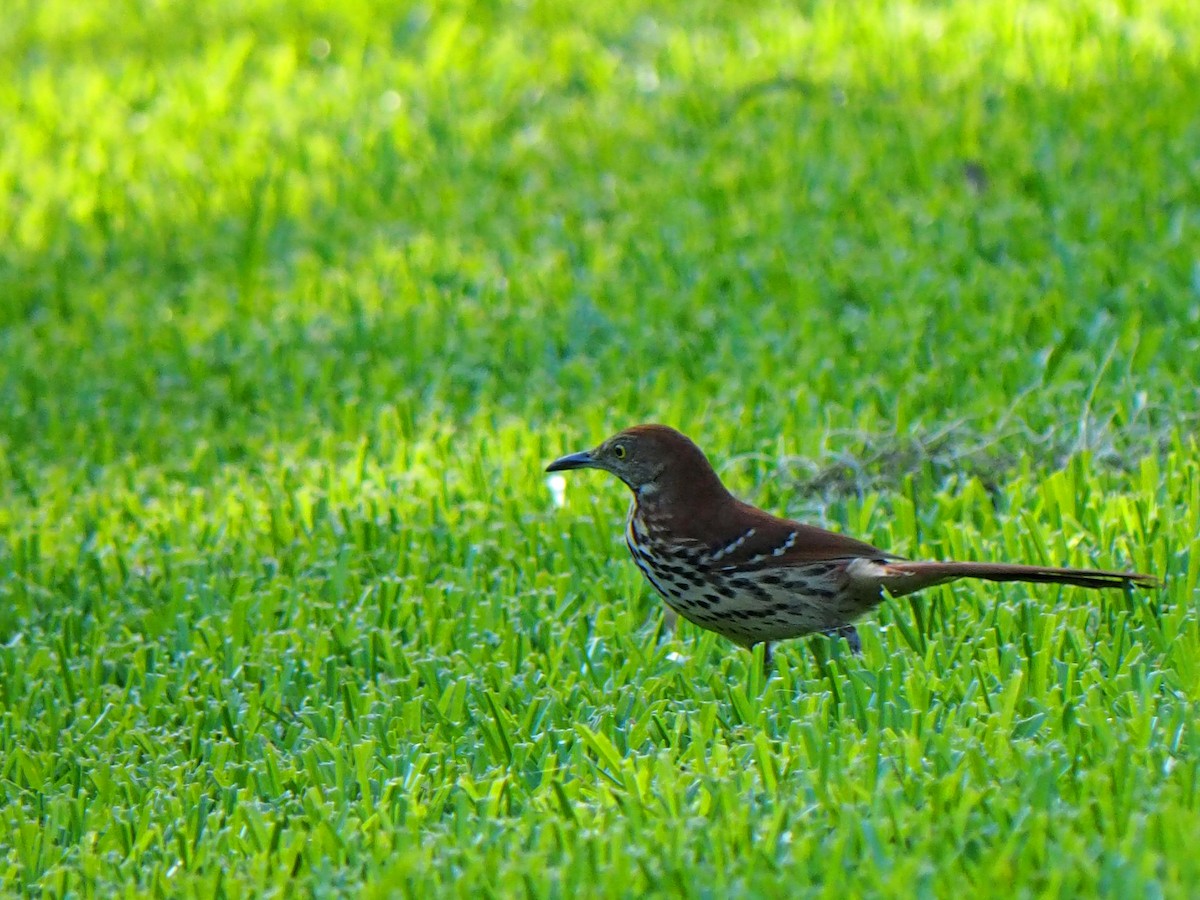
(619, 451)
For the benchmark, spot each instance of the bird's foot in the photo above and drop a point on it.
(850, 633)
(766, 658)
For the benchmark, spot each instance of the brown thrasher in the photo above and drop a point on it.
(753, 577)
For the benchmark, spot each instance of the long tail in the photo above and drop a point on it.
(900, 578)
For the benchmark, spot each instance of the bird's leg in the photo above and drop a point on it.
(766, 659)
(850, 633)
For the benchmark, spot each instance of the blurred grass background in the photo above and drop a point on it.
(296, 302)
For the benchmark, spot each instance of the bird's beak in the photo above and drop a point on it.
(583, 460)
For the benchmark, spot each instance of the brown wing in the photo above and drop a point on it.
(743, 536)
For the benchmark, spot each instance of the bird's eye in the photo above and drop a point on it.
(619, 451)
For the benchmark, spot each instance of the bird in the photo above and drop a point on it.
(756, 578)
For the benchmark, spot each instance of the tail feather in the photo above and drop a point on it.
(900, 578)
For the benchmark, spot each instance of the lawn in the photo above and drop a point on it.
(298, 299)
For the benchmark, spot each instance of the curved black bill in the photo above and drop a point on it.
(573, 461)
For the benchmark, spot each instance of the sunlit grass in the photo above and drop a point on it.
(296, 303)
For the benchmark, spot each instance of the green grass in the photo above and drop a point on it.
(295, 305)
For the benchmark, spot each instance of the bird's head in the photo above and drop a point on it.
(655, 461)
